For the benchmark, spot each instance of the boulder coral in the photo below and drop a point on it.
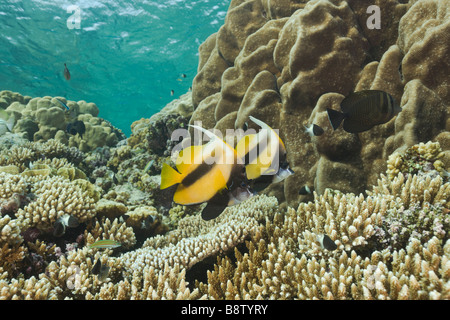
(43, 118)
(287, 63)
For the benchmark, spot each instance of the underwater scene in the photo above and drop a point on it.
(225, 150)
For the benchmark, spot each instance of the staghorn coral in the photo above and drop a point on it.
(285, 260)
(105, 229)
(55, 197)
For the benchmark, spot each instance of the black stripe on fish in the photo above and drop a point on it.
(201, 170)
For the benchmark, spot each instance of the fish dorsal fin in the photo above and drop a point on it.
(187, 157)
(265, 126)
(260, 123)
(227, 149)
(210, 134)
(169, 176)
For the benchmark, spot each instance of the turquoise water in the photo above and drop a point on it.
(126, 56)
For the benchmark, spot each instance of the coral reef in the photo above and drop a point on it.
(285, 63)
(41, 119)
(392, 243)
(376, 225)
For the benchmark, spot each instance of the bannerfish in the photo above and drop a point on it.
(66, 72)
(63, 104)
(326, 242)
(305, 190)
(207, 173)
(76, 127)
(314, 130)
(363, 110)
(263, 153)
(105, 244)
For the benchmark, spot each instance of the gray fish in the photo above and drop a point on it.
(6, 125)
(97, 266)
(363, 110)
(305, 190)
(76, 127)
(66, 72)
(314, 130)
(59, 228)
(326, 242)
(69, 221)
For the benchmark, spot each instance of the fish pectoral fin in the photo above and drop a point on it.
(335, 118)
(169, 176)
(216, 205)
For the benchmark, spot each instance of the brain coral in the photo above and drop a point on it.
(286, 63)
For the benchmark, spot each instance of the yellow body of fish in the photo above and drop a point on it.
(259, 151)
(203, 171)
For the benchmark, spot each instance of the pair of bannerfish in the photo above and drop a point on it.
(229, 181)
(222, 176)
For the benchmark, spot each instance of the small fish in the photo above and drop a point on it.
(100, 270)
(76, 127)
(263, 153)
(190, 88)
(6, 125)
(314, 130)
(66, 72)
(363, 110)
(305, 190)
(63, 104)
(69, 221)
(147, 222)
(326, 242)
(97, 266)
(172, 92)
(205, 173)
(148, 166)
(59, 228)
(183, 75)
(103, 274)
(105, 244)
(66, 221)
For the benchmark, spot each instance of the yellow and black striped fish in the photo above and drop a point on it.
(363, 110)
(207, 173)
(263, 153)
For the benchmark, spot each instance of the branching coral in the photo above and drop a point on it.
(55, 197)
(286, 261)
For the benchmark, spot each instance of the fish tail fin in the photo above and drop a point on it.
(335, 118)
(169, 176)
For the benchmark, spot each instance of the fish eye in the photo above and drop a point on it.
(243, 184)
(284, 165)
